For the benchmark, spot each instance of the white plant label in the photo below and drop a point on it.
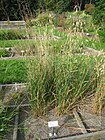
(53, 124)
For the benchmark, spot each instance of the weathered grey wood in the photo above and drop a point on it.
(0, 88)
(79, 121)
(16, 125)
(89, 136)
(16, 57)
(12, 24)
(21, 105)
(16, 84)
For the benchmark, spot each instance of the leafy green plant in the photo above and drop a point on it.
(12, 71)
(101, 33)
(99, 13)
(4, 53)
(15, 43)
(12, 34)
(99, 19)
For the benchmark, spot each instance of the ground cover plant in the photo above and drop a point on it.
(7, 113)
(12, 71)
(12, 34)
(91, 42)
(4, 53)
(15, 43)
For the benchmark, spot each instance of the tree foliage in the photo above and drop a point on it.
(99, 19)
(17, 9)
(22, 9)
(99, 13)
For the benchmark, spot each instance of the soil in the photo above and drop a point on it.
(31, 128)
(37, 129)
(93, 121)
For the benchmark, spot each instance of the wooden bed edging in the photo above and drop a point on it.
(15, 132)
(79, 122)
(13, 24)
(15, 84)
(88, 136)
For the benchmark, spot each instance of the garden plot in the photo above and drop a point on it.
(56, 84)
(80, 122)
(12, 93)
(72, 45)
(47, 40)
(70, 126)
(76, 123)
(61, 70)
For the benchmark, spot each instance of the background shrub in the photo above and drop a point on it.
(42, 20)
(89, 8)
(99, 13)
(101, 33)
(99, 18)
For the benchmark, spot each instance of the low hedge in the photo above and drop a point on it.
(14, 43)
(12, 34)
(12, 71)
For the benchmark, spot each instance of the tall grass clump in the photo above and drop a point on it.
(79, 22)
(40, 80)
(61, 81)
(99, 98)
(75, 77)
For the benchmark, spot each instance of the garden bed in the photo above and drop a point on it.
(63, 80)
(80, 122)
(31, 128)
(68, 125)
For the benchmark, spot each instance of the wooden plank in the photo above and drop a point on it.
(16, 84)
(16, 57)
(89, 136)
(79, 121)
(21, 105)
(0, 88)
(12, 24)
(16, 125)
